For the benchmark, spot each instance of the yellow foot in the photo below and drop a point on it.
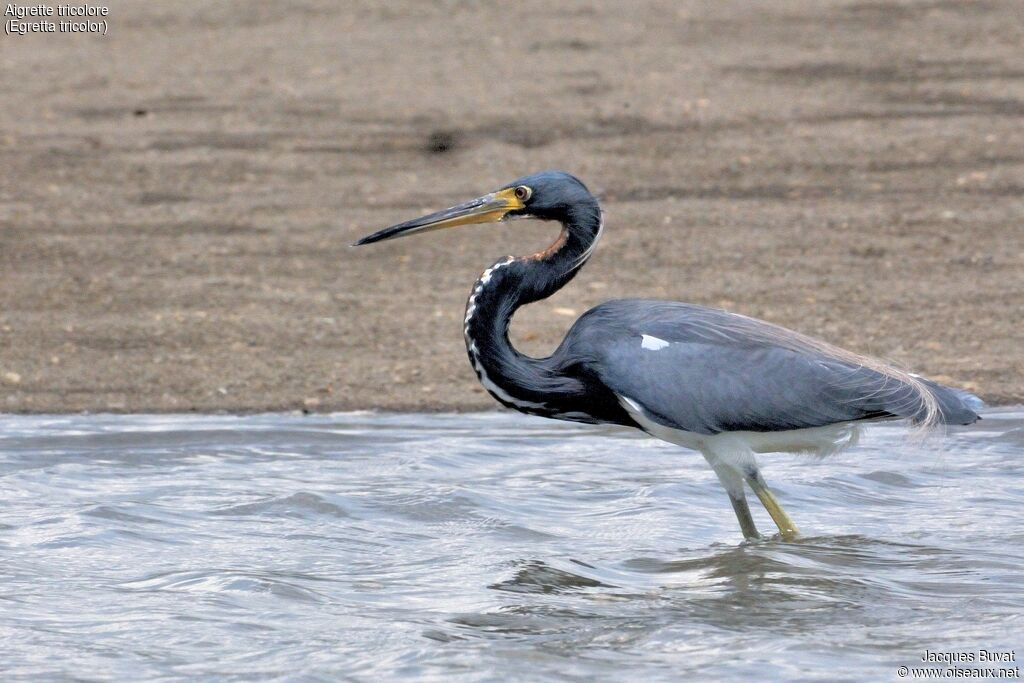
(787, 528)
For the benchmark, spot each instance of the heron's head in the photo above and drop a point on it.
(549, 195)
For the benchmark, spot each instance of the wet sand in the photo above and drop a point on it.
(177, 197)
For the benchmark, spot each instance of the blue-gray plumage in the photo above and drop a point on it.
(723, 384)
(708, 371)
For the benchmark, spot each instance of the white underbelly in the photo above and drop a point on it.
(817, 440)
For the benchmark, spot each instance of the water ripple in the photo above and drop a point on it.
(474, 547)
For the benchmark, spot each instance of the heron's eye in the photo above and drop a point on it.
(523, 193)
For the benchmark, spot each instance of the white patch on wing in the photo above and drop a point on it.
(652, 343)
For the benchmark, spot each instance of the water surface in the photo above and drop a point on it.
(490, 546)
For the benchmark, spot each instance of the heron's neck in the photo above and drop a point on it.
(528, 384)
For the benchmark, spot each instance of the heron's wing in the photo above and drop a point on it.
(708, 371)
(707, 388)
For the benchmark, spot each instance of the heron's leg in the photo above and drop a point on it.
(742, 510)
(733, 484)
(787, 529)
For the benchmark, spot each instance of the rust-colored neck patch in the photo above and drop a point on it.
(553, 249)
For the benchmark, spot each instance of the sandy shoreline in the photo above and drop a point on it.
(177, 197)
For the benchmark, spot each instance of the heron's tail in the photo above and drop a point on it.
(956, 406)
(924, 402)
(942, 405)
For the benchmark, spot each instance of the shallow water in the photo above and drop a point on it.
(490, 546)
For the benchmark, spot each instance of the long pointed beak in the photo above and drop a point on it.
(487, 209)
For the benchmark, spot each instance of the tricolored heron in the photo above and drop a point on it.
(720, 383)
